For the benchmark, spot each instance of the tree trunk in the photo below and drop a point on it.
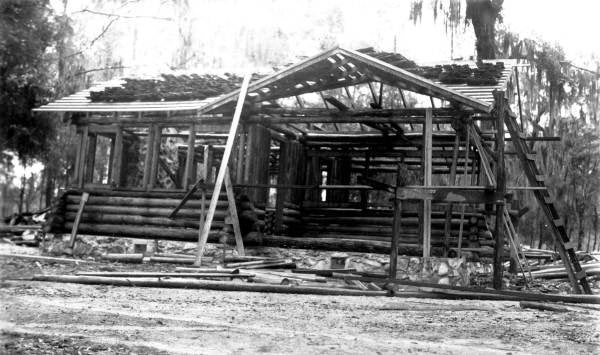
(580, 232)
(483, 15)
(22, 193)
(49, 188)
(541, 235)
(595, 224)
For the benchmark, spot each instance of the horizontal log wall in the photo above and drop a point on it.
(136, 215)
(358, 227)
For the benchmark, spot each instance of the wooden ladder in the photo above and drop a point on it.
(562, 242)
(509, 228)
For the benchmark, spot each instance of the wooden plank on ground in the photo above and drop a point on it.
(205, 284)
(45, 258)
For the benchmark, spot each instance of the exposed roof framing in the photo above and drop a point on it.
(341, 67)
(332, 69)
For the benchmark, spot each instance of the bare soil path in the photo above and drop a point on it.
(58, 318)
(51, 318)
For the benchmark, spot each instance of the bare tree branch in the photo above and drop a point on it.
(102, 33)
(95, 70)
(124, 16)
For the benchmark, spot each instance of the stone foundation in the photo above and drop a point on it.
(444, 271)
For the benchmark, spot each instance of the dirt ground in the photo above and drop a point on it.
(53, 318)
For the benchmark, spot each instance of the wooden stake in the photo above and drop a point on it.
(223, 168)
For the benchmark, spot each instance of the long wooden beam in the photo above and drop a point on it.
(406, 112)
(223, 168)
(267, 120)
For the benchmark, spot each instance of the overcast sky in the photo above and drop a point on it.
(574, 24)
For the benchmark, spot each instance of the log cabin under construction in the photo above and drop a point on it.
(348, 150)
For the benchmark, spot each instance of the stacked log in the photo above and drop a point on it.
(137, 215)
(371, 230)
(291, 220)
(144, 215)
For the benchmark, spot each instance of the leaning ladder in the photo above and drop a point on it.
(562, 242)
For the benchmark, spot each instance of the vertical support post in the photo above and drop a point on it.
(427, 171)
(155, 155)
(464, 183)
(78, 158)
(207, 163)
(223, 168)
(250, 138)
(91, 157)
(283, 178)
(396, 225)
(500, 190)
(148, 158)
(189, 160)
(204, 181)
(452, 182)
(117, 157)
(239, 171)
(82, 151)
(111, 159)
(364, 194)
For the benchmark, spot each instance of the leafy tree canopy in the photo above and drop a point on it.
(27, 34)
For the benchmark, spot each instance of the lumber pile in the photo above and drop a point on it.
(531, 253)
(559, 271)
